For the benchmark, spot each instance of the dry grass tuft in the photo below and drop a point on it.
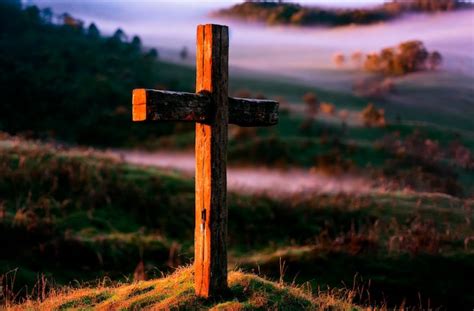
(176, 291)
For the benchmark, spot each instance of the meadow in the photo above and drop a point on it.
(74, 214)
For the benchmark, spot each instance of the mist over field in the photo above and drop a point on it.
(288, 51)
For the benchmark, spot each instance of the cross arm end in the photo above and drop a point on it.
(253, 112)
(139, 105)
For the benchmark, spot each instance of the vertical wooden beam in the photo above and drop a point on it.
(210, 235)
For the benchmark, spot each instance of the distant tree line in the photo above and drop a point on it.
(425, 5)
(61, 79)
(275, 13)
(279, 12)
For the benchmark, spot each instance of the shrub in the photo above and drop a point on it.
(373, 117)
(356, 58)
(312, 102)
(327, 108)
(338, 59)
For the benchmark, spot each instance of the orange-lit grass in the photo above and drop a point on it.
(247, 292)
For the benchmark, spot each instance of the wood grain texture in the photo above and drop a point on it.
(157, 105)
(253, 112)
(210, 252)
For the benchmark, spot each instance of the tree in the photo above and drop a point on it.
(282, 14)
(183, 54)
(312, 103)
(412, 55)
(136, 43)
(85, 82)
(47, 15)
(372, 116)
(433, 5)
(372, 62)
(338, 59)
(152, 53)
(435, 60)
(12, 3)
(409, 56)
(93, 31)
(357, 58)
(119, 35)
(387, 57)
(33, 14)
(72, 22)
(327, 108)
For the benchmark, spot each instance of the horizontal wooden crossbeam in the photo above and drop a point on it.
(156, 105)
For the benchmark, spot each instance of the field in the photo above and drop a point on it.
(331, 141)
(83, 227)
(391, 242)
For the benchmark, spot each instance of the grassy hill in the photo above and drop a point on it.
(176, 292)
(69, 214)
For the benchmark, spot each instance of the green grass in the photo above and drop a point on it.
(442, 99)
(389, 279)
(74, 216)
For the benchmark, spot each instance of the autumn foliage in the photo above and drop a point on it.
(407, 57)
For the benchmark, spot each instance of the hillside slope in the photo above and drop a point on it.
(71, 215)
(176, 292)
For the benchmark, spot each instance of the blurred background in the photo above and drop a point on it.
(366, 183)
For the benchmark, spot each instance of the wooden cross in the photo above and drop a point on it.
(212, 110)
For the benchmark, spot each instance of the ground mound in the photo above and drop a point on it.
(176, 292)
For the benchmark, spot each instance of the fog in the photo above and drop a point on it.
(260, 180)
(289, 51)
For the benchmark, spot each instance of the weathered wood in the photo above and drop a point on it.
(210, 235)
(157, 105)
(151, 105)
(212, 110)
(253, 112)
